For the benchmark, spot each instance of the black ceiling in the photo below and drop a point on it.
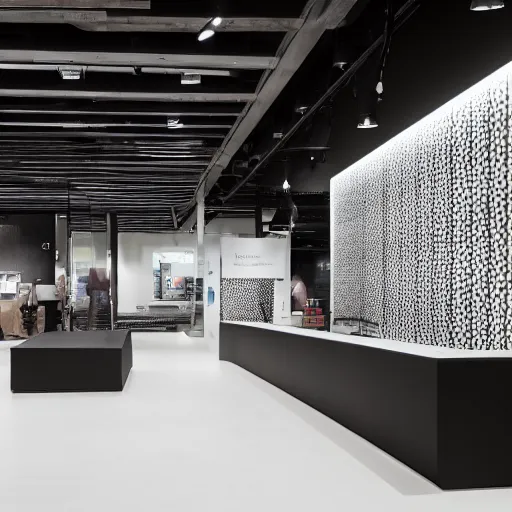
(127, 136)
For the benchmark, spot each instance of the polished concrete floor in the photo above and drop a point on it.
(192, 434)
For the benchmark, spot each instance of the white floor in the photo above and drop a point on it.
(192, 434)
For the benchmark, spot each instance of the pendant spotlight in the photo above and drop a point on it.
(342, 54)
(487, 5)
(209, 29)
(367, 121)
(286, 185)
(368, 89)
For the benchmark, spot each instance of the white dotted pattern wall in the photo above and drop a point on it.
(422, 227)
(247, 300)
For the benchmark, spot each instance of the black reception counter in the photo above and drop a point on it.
(446, 413)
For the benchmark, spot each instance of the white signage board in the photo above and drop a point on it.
(263, 258)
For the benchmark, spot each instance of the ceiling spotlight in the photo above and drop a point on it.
(70, 73)
(205, 34)
(340, 64)
(190, 79)
(486, 5)
(343, 52)
(340, 58)
(209, 29)
(286, 185)
(367, 121)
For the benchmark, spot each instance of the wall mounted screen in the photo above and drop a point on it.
(422, 228)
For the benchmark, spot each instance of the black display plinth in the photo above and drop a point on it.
(446, 415)
(72, 361)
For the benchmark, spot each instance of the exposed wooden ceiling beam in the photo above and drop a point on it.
(203, 97)
(336, 14)
(138, 59)
(99, 135)
(101, 21)
(167, 24)
(106, 124)
(78, 4)
(52, 16)
(170, 110)
(151, 70)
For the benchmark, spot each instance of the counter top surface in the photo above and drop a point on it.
(431, 351)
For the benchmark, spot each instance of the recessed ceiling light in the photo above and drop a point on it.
(190, 79)
(70, 73)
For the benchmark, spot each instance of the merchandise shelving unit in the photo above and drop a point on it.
(9, 276)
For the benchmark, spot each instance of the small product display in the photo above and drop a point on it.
(313, 316)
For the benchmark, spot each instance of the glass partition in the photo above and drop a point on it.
(89, 280)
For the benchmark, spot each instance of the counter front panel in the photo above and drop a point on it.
(428, 409)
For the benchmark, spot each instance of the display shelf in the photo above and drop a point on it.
(9, 282)
(313, 321)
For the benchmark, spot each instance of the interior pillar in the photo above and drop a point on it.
(112, 259)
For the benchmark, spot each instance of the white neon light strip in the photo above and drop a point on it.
(501, 74)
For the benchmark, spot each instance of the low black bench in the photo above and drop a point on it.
(72, 361)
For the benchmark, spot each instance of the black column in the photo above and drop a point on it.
(258, 217)
(112, 241)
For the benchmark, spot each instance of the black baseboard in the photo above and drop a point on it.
(448, 419)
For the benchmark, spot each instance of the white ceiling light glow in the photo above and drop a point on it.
(487, 5)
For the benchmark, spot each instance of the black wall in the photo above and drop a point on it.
(21, 240)
(440, 52)
(314, 269)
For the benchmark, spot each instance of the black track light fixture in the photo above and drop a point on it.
(487, 5)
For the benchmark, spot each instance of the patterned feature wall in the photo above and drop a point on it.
(241, 299)
(422, 227)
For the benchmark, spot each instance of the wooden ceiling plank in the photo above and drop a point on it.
(201, 97)
(137, 59)
(77, 4)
